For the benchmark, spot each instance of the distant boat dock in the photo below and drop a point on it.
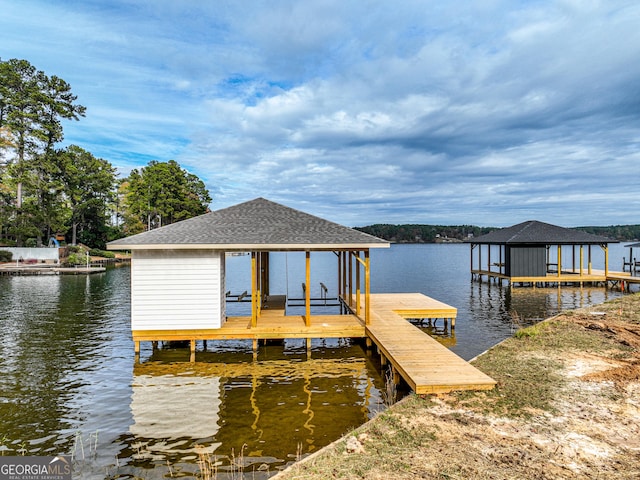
(47, 269)
(535, 253)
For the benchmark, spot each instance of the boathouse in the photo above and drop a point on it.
(178, 271)
(178, 292)
(535, 252)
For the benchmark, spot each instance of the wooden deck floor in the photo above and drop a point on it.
(426, 365)
(273, 324)
(566, 276)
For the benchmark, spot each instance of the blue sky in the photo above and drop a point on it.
(481, 112)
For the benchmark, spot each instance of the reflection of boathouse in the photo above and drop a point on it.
(218, 403)
(539, 253)
(178, 291)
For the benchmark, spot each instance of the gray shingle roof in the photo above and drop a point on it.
(257, 224)
(534, 232)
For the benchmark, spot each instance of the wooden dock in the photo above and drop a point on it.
(44, 269)
(425, 365)
(566, 277)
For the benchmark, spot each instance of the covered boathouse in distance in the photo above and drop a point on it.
(538, 253)
(178, 292)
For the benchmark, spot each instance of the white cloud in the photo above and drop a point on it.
(361, 111)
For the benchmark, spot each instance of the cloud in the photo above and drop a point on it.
(488, 112)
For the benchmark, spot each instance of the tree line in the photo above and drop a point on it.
(444, 233)
(68, 193)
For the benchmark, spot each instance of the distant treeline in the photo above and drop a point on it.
(624, 233)
(460, 233)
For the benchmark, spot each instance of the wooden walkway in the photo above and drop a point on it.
(427, 366)
(565, 277)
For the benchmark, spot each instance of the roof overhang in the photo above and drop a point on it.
(249, 247)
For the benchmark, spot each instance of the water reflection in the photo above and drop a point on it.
(438, 329)
(226, 403)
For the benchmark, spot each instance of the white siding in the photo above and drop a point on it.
(177, 289)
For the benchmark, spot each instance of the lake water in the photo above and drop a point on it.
(70, 382)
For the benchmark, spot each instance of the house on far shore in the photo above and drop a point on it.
(535, 252)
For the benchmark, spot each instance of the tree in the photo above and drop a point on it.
(32, 106)
(88, 186)
(160, 194)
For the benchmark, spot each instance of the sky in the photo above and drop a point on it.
(482, 112)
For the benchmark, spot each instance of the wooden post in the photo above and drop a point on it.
(472, 247)
(192, 345)
(396, 376)
(254, 302)
(358, 284)
(259, 283)
(589, 260)
(350, 278)
(266, 274)
(559, 260)
(581, 258)
(605, 247)
(307, 292)
(367, 288)
(340, 278)
(344, 278)
(136, 346)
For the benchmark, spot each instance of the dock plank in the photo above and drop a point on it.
(427, 366)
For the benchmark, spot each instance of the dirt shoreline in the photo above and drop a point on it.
(567, 406)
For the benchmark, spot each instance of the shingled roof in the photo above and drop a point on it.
(258, 224)
(540, 233)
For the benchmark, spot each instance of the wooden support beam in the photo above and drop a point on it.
(344, 276)
(307, 294)
(367, 289)
(358, 283)
(254, 287)
(350, 279)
